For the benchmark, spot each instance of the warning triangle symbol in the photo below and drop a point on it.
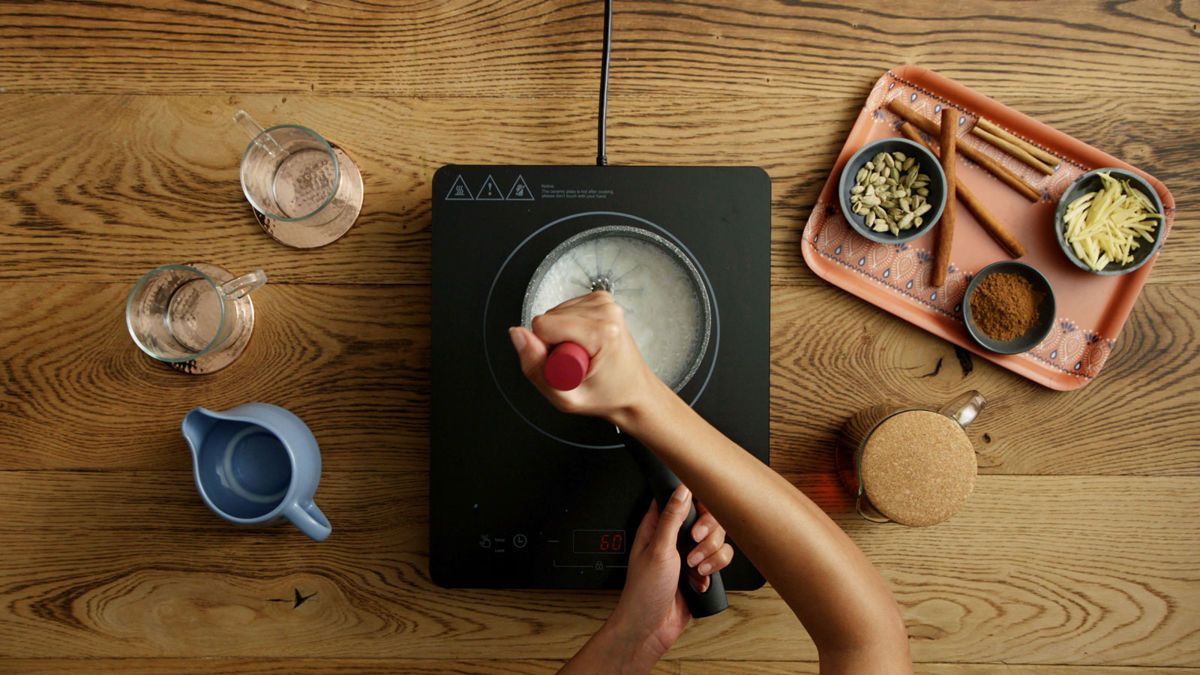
(459, 190)
(520, 191)
(490, 191)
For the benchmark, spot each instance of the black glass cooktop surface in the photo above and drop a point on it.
(521, 495)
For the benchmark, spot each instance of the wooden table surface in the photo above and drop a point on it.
(1078, 551)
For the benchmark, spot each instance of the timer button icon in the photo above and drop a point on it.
(520, 540)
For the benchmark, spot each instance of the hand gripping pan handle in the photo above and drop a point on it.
(565, 368)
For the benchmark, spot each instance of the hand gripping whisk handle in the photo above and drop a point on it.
(566, 366)
(662, 484)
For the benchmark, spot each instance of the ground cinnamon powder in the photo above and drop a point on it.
(1005, 306)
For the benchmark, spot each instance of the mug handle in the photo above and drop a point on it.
(258, 135)
(309, 519)
(965, 408)
(236, 289)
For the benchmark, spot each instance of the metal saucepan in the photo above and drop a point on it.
(667, 311)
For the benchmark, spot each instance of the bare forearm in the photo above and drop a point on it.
(837, 594)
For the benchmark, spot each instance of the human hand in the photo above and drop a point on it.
(711, 553)
(651, 611)
(618, 381)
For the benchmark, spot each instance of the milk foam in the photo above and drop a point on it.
(662, 306)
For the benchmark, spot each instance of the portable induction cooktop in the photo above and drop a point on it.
(522, 495)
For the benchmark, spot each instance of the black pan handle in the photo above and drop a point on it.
(663, 483)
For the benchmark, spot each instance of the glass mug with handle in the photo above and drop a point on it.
(176, 313)
(292, 175)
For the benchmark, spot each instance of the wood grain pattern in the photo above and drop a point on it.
(472, 49)
(1073, 585)
(150, 169)
(354, 362)
(831, 359)
(283, 666)
(236, 666)
(1076, 555)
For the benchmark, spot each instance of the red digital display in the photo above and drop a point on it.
(598, 541)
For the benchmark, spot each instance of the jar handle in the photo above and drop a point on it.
(863, 513)
(965, 408)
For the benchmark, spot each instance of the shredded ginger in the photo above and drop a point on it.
(1104, 226)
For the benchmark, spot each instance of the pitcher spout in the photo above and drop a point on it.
(196, 425)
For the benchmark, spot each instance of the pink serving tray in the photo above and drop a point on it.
(1091, 309)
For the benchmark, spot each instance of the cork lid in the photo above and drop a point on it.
(918, 467)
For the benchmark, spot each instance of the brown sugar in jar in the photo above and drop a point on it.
(911, 466)
(1005, 306)
(918, 467)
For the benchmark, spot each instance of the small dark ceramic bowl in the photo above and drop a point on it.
(1091, 182)
(1036, 333)
(929, 166)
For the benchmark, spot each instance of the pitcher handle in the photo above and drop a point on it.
(236, 289)
(309, 519)
(965, 408)
(259, 135)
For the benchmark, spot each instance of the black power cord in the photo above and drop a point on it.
(601, 157)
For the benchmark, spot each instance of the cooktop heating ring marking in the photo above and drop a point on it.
(716, 315)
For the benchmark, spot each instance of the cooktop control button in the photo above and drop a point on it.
(520, 540)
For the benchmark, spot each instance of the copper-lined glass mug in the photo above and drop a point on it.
(176, 313)
(909, 465)
(290, 173)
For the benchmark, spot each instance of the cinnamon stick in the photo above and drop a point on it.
(945, 238)
(989, 126)
(932, 128)
(986, 220)
(989, 223)
(1012, 149)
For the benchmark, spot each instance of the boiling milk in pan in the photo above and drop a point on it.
(654, 282)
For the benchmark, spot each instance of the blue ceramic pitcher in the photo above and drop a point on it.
(255, 464)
